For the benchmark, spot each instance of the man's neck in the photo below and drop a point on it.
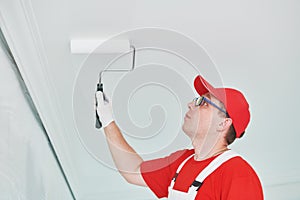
(202, 154)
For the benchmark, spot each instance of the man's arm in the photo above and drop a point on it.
(125, 158)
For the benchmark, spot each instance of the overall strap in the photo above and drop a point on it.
(183, 163)
(178, 170)
(213, 165)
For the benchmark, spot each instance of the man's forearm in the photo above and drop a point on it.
(126, 159)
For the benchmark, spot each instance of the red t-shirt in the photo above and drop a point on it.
(233, 180)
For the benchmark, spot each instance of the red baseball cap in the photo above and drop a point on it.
(235, 103)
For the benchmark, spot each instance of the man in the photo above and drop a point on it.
(210, 170)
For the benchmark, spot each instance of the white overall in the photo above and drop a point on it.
(213, 165)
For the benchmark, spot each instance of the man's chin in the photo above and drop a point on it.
(188, 132)
(184, 129)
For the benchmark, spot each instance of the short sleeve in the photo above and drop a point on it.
(245, 188)
(241, 182)
(158, 173)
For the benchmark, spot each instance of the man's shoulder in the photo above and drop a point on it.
(171, 160)
(237, 166)
(179, 156)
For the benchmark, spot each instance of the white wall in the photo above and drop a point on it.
(28, 169)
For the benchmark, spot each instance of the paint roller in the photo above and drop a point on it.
(111, 47)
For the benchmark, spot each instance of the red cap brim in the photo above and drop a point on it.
(202, 87)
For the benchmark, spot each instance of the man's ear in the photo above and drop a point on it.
(224, 125)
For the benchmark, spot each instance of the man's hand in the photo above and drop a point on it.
(103, 108)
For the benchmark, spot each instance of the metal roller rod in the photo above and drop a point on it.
(98, 124)
(120, 70)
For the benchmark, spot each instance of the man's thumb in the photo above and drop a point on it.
(99, 96)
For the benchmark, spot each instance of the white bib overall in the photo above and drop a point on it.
(192, 192)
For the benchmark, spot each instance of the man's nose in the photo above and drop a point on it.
(190, 105)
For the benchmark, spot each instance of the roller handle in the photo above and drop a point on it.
(98, 124)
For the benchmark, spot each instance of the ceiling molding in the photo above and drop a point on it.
(21, 31)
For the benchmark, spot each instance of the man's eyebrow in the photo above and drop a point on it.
(208, 96)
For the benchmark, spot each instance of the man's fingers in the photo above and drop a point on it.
(99, 97)
(105, 97)
(102, 98)
(103, 110)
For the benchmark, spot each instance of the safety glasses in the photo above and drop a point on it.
(199, 101)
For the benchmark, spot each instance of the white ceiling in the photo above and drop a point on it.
(254, 44)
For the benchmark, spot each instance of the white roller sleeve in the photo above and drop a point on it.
(88, 46)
